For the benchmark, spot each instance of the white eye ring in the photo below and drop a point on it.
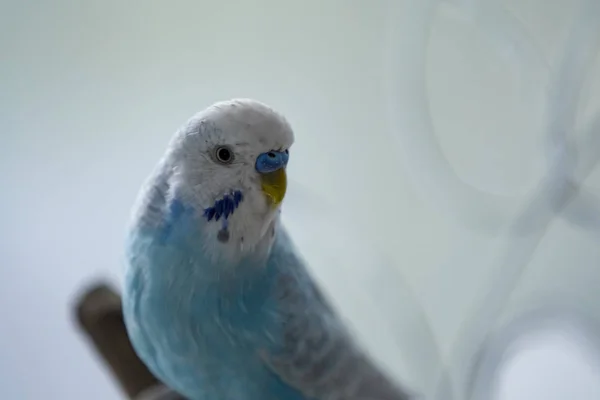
(224, 155)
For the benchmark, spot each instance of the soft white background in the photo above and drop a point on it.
(90, 92)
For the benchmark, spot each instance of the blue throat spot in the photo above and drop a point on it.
(224, 207)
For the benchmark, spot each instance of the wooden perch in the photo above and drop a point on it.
(100, 316)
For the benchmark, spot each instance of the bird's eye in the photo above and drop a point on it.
(224, 155)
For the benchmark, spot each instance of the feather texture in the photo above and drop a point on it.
(216, 300)
(259, 330)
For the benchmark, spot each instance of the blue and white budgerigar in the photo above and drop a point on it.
(217, 302)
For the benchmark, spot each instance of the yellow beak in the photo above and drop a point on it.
(274, 185)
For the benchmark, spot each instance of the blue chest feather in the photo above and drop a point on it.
(197, 324)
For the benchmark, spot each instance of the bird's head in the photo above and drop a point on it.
(229, 163)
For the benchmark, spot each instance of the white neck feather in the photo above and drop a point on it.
(251, 227)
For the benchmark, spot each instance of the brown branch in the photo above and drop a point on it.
(99, 314)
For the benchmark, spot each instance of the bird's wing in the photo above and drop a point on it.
(361, 279)
(318, 356)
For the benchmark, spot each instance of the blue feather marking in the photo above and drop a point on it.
(225, 207)
(176, 209)
(218, 209)
(209, 213)
(195, 325)
(231, 204)
(237, 197)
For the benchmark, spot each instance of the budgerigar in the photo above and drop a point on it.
(217, 302)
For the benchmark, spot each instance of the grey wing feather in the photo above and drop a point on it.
(319, 357)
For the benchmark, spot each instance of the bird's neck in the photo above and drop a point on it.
(247, 239)
(250, 227)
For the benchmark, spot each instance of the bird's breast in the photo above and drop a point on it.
(197, 323)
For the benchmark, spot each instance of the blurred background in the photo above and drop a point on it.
(458, 136)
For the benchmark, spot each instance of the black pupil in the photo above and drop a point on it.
(224, 154)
